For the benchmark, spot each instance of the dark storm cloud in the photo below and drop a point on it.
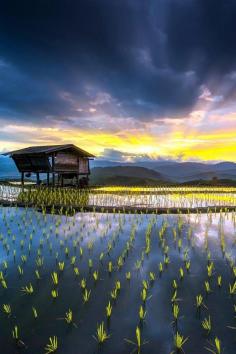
(151, 57)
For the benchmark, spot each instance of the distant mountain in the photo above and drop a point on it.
(8, 168)
(179, 171)
(129, 175)
(144, 172)
(227, 174)
(188, 171)
(224, 166)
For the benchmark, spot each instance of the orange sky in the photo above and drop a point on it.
(204, 134)
(179, 139)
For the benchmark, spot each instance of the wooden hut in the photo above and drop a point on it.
(61, 161)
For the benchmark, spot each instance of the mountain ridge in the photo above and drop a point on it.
(157, 171)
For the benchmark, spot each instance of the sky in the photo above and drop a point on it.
(123, 79)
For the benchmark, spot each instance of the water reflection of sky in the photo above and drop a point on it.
(92, 227)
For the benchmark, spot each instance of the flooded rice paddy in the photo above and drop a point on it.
(115, 197)
(138, 283)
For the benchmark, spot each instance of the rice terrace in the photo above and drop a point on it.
(118, 177)
(120, 280)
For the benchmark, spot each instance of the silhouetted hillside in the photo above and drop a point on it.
(129, 175)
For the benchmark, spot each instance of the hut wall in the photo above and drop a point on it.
(26, 163)
(66, 162)
(83, 165)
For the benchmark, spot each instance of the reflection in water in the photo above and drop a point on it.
(138, 244)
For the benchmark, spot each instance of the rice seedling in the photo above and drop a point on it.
(15, 333)
(7, 309)
(215, 347)
(61, 266)
(179, 342)
(20, 270)
(144, 295)
(138, 343)
(110, 267)
(83, 283)
(145, 284)
(95, 275)
(138, 264)
(81, 251)
(101, 334)
(52, 346)
(90, 264)
(219, 281)
(128, 275)
(232, 289)
(114, 294)
(199, 302)
(73, 260)
(174, 296)
(24, 259)
(35, 312)
(160, 268)
(234, 271)
(28, 289)
(101, 256)
(108, 310)
(37, 274)
(142, 313)
(120, 262)
(69, 317)
(86, 295)
(188, 265)
(181, 273)
(207, 287)
(175, 284)
(166, 260)
(55, 278)
(4, 283)
(210, 269)
(206, 324)
(152, 276)
(76, 271)
(175, 311)
(67, 252)
(118, 285)
(54, 293)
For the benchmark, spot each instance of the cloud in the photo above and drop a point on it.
(207, 95)
(152, 63)
(152, 75)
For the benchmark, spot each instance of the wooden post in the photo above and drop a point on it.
(53, 172)
(77, 180)
(37, 174)
(22, 178)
